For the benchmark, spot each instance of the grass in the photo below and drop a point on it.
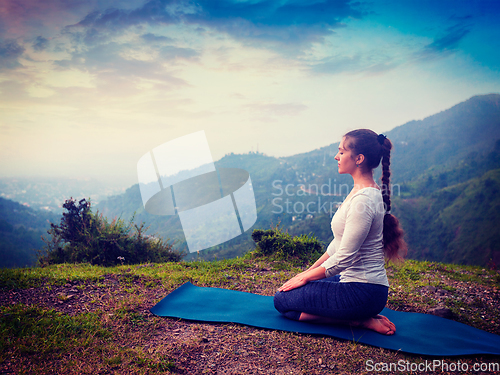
(82, 319)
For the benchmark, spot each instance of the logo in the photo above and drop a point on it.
(179, 178)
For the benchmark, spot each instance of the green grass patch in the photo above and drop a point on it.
(34, 330)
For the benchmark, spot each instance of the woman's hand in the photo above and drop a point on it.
(295, 282)
(303, 278)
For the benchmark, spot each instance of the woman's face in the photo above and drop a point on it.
(345, 159)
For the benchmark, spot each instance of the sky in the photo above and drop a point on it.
(87, 87)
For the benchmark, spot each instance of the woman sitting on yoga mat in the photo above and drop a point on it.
(348, 284)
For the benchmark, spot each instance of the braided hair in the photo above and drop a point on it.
(376, 149)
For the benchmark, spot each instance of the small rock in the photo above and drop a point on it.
(430, 288)
(441, 311)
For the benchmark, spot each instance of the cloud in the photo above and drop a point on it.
(28, 18)
(449, 41)
(40, 43)
(336, 65)
(370, 63)
(172, 53)
(113, 68)
(152, 38)
(445, 44)
(274, 21)
(276, 13)
(10, 51)
(279, 13)
(113, 19)
(288, 25)
(13, 89)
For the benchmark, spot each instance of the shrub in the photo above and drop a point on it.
(87, 237)
(281, 245)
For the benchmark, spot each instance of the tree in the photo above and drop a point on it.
(87, 237)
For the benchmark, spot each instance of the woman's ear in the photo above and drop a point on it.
(360, 159)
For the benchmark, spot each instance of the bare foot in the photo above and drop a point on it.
(380, 324)
(306, 317)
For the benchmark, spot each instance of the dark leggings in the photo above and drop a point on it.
(333, 299)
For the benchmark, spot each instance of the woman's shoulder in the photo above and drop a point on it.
(367, 197)
(369, 192)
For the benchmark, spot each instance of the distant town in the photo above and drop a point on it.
(49, 194)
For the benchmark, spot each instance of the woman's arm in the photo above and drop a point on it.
(320, 261)
(303, 278)
(316, 264)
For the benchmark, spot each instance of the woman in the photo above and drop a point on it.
(348, 284)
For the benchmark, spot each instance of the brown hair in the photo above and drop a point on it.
(376, 148)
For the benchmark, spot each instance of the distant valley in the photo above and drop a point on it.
(48, 194)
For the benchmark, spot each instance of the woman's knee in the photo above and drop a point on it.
(279, 302)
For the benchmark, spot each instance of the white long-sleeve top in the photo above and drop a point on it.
(357, 251)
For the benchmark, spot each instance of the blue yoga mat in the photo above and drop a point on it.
(415, 333)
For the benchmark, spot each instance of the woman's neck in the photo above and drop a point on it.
(363, 180)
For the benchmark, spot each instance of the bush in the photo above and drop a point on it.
(280, 245)
(87, 237)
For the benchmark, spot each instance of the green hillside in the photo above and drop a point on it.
(444, 139)
(457, 224)
(21, 229)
